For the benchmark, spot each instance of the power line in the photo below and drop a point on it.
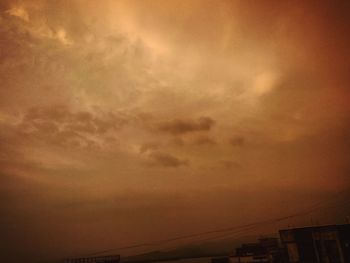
(221, 230)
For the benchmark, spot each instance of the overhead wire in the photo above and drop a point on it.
(227, 230)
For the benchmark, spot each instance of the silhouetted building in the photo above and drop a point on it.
(220, 260)
(101, 259)
(322, 244)
(251, 249)
(266, 250)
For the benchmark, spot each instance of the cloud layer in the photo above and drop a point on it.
(126, 121)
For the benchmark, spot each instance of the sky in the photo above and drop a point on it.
(124, 122)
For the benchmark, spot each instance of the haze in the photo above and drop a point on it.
(125, 122)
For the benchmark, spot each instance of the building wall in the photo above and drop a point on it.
(344, 237)
(247, 259)
(327, 244)
(102, 259)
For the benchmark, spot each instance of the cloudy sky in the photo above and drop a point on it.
(124, 122)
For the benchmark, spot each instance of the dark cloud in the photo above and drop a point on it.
(237, 141)
(204, 140)
(181, 126)
(167, 160)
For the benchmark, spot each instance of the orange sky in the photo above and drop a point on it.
(128, 121)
